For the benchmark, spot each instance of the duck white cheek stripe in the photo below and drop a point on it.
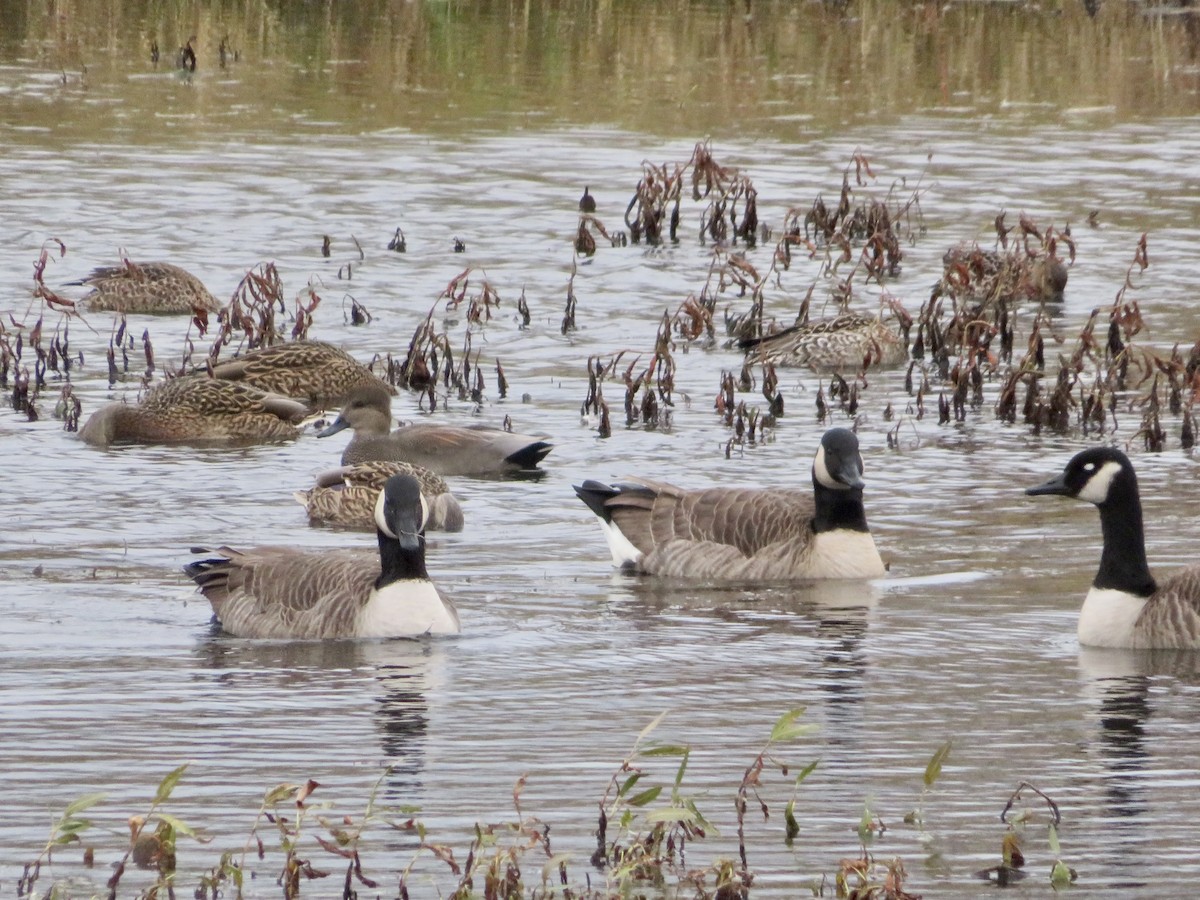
(1095, 490)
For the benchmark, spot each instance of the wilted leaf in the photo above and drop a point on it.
(934, 767)
(791, 826)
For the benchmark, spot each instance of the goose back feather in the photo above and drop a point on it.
(279, 592)
(744, 533)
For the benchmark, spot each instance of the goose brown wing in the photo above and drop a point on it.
(1171, 617)
(279, 592)
(652, 514)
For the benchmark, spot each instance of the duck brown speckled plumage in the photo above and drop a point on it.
(154, 288)
(196, 409)
(848, 341)
(346, 496)
(314, 371)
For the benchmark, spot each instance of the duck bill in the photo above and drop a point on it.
(1056, 485)
(338, 425)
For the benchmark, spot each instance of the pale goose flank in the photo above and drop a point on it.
(744, 534)
(444, 449)
(154, 287)
(278, 592)
(196, 409)
(850, 341)
(346, 496)
(1126, 607)
(321, 374)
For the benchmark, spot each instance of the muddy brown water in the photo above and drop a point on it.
(112, 674)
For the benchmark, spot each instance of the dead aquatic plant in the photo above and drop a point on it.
(431, 357)
(873, 226)
(649, 391)
(1019, 817)
(1101, 376)
(585, 240)
(731, 211)
(568, 321)
(250, 316)
(357, 315)
(749, 426)
(23, 342)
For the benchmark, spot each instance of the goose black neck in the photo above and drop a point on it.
(397, 563)
(838, 509)
(1123, 563)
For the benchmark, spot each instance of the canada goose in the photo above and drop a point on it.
(849, 341)
(744, 533)
(278, 592)
(196, 409)
(1126, 607)
(346, 496)
(153, 287)
(320, 373)
(444, 449)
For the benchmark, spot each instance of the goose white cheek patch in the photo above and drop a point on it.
(821, 470)
(381, 519)
(1095, 490)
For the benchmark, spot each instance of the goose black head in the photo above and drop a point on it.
(1090, 475)
(838, 465)
(400, 511)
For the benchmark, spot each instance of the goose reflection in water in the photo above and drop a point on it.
(314, 700)
(1121, 682)
(823, 624)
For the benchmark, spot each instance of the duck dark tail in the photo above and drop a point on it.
(530, 455)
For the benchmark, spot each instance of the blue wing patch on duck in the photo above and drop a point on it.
(744, 534)
(278, 592)
(1126, 606)
(444, 449)
(155, 288)
(196, 409)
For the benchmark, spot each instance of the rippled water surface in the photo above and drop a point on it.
(112, 674)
